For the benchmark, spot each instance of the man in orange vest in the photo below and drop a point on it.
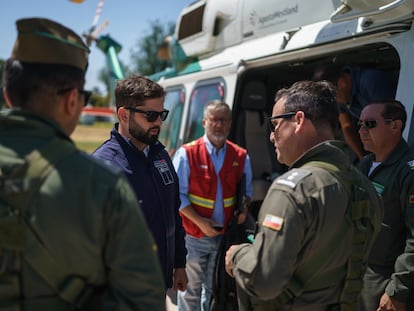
(209, 170)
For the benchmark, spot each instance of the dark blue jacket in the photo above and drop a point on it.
(156, 186)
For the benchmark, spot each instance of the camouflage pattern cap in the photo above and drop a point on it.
(44, 41)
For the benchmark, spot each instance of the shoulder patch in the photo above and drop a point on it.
(411, 164)
(273, 222)
(291, 178)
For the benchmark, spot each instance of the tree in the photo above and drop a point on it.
(103, 76)
(144, 58)
(2, 100)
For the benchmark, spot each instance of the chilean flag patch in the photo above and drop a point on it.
(273, 222)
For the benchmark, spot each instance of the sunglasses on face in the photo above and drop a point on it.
(287, 115)
(152, 116)
(370, 124)
(86, 94)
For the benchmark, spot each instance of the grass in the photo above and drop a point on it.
(89, 137)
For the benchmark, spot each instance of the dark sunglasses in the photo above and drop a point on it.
(152, 116)
(86, 94)
(287, 115)
(370, 124)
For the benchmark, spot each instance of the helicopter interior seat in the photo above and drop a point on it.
(256, 132)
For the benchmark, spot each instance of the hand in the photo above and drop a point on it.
(208, 230)
(389, 304)
(228, 261)
(243, 215)
(180, 279)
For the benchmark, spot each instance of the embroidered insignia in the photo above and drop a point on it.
(292, 177)
(204, 166)
(273, 222)
(165, 172)
(411, 198)
(411, 164)
(235, 163)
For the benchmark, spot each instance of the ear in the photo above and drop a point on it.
(300, 120)
(123, 115)
(70, 102)
(396, 127)
(6, 97)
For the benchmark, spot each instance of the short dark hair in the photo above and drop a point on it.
(317, 99)
(134, 90)
(25, 82)
(393, 109)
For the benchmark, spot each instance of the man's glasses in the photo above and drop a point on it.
(215, 121)
(86, 94)
(287, 115)
(370, 124)
(152, 116)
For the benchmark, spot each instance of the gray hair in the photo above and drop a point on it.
(216, 105)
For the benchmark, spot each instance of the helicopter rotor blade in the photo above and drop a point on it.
(97, 15)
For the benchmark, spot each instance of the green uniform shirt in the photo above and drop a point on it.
(301, 211)
(87, 217)
(391, 263)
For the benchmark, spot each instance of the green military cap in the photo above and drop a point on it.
(44, 41)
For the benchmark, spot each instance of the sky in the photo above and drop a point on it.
(129, 20)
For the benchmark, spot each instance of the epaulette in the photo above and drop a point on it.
(292, 177)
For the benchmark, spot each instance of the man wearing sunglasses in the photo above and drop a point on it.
(68, 223)
(313, 234)
(134, 147)
(389, 281)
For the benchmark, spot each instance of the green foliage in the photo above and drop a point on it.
(98, 100)
(145, 59)
(2, 100)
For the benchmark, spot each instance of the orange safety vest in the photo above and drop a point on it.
(203, 182)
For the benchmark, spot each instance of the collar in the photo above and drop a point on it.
(331, 151)
(153, 149)
(31, 120)
(211, 148)
(399, 152)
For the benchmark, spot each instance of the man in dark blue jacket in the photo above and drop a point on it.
(134, 147)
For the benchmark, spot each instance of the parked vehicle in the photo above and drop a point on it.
(243, 51)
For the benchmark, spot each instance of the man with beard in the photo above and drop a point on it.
(68, 224)
(134, 147)
(209, 170)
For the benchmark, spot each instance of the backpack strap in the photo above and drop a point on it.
(20, 186)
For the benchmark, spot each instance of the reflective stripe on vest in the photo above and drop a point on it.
(208, 203)
(200, 201)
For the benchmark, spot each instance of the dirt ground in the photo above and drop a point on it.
(90, 133)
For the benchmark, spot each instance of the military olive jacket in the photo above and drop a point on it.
(301, 212)
(392, 255)
(85, 215)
